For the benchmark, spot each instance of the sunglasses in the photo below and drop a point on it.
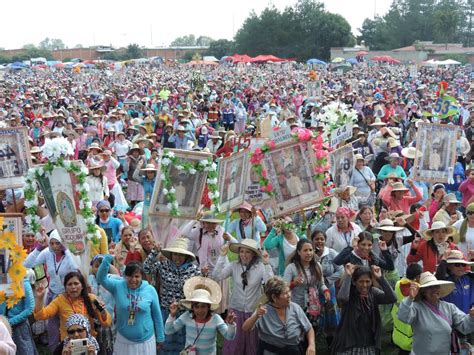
(469, 213)
(75, 331)
(104, 211)
(458, 265)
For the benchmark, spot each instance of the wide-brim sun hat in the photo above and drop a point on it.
(398, 186)
(246, 243)
(95, 146)
(200, 289)
(135, 147)
(393, 156)
(457, 257)
(180, 246)
(244, 206)
(149, 167)
(378, 122)
(341, 189)
(410, 152)
(388, 225)
(450, 231)
(210, 217)
(427, 279)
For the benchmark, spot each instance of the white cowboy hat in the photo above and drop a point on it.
(410, 152)
(210, 217)
(450, 231)
(378, 122)
(246, 243)
(388, 225)
(180, 246)
(427, 279)
(192, 292)
(149, 167)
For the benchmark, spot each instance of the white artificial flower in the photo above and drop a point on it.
(171, 154)
(192, 171)
(173, 190)
(30, 203)
(169, 206)
(210, 195)
(212, 181)
(162, 176)
(165, 161)
(175, 204)
(28, 219)
(81, 204)
(204, 162)
(213, 167)
(217, 194)
(212, 208)
(179, 167)
(165, 191)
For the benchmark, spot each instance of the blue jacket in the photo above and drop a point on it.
(148, 318)
(463, 293)
(22, 310)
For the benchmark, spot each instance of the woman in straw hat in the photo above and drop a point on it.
(400, 199)
(7, 345)
(360, 329)
(200, 322)
(249, 225)
(363, 179)
(432, 319)
(135, 191)
(431, 249)
(392, 167)
(345, 197)
(281, 323)
(171, 275)
(146, 177)
(247, 274)
(98, 183)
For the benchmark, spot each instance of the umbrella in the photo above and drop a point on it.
(361, 53)
(352, 60)
(376, 58)
(338, 60)
(345, 68)
(59, 65)
(315, 61)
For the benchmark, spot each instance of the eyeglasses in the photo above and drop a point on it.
(75, 331)
(458, 265)
(104, 211)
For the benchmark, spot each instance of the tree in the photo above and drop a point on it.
(303, 31)
(29, 46)
(133, 51)
(51, 44)
(446, 18)
(220, 48)
(184, 41)
(203, 41)
(78, 46)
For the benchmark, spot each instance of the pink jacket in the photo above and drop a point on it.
(405, 203)
(467, 190)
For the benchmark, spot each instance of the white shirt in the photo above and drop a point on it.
(338, 240)
(469, 242)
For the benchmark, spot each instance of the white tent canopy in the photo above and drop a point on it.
(448, 62)
(209, 58)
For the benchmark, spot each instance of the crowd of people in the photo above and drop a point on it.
(385, 265)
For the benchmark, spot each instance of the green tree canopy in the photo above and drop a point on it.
(303, 31)
(51, 44)
(220, 48)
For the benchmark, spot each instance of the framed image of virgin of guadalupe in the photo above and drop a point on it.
(15, 157)
(187, 185)
(232, 179)
(436, 145)
(290, 168)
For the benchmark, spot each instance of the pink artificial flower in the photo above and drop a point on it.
(258, 151)
(276, 128)
(264, 174)
(269, 187)
(304, 134)
(256, 159)
(271, 144)
(318, 142)
(320, 169)
(321, 153)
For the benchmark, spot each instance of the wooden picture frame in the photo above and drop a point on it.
(189, 187)
(15, 157)
(290, 169)
(436, 144)
(342, 164)
(232, 179)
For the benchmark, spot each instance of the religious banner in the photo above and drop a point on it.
(180, 184)
(342, 164)
(15, 157)
(62, 197)
(290, 169)
(233, 172)
(436, 144)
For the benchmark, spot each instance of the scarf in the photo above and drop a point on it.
(82, 321)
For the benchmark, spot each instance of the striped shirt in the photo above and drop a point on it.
(206, 342)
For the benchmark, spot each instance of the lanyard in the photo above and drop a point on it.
(74, 308)
(344, 234)
(199, 331)
(56, 269)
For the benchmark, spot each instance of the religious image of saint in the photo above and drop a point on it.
(294, 185)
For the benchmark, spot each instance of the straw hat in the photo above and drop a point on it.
(359, 157)
(343, 188)
(387, 225)
(96, 165)
(135, 147)
(393, 156)
(393, 176)
(149, 167)
(244, 206)
(450, 231)
(201, 290)
(427, 279)
(180, 246)
(245, 243)
(210, 217)
(410, 152)
(181, 128)
(392, 142)
(378, 122)
(457, 257)
(451, 198)
(95, 146)
(35, 150)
